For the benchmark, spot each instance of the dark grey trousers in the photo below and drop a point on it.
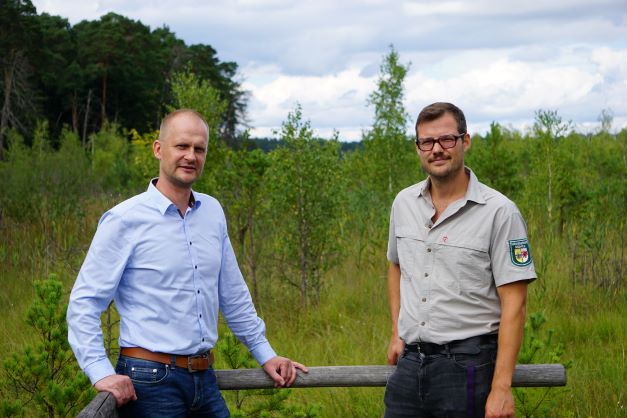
(448, 382)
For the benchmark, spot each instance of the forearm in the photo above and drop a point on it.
(510, 337)
(394, 295)
(513, 310)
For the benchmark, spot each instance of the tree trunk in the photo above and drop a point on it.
(86, 117)
(75, 113)
(6, 106)
(103, 102)
(303, 247)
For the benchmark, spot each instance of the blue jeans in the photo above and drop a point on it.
(443, 385)
(165, 391)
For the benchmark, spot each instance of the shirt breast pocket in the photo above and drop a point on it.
(468, 262)
(410, 242)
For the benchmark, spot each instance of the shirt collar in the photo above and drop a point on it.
(163, 203)
(472, 193)
(474, 190)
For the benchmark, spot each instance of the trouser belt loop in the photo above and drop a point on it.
(173, 361)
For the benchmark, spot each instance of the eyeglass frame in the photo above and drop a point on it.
(420, 141)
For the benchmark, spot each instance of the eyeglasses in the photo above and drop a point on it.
(445, 141)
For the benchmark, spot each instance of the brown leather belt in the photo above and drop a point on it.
(195, 363)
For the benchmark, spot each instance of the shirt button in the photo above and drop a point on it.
(190, 243)
(422, 324)
(428, 250)
(203, 340)
(200, 315)
(424, 299)
(426, 274)
(196, 267)
(198, 291)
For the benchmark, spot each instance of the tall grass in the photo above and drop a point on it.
(46, 227)
(351, 325)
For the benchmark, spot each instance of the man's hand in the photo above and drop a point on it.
(282, 370)
(120, 387)
(500, 404)
(395, 349)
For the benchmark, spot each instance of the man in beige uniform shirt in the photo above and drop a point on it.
(460, 263)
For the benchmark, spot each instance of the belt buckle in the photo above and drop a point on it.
(190, 367)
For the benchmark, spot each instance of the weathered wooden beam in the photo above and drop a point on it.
(102, 406)
(525, 375)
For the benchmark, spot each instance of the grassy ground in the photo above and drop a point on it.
(351, 325)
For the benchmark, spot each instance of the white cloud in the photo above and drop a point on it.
(498, 60)
(332, 101)
(422, 9)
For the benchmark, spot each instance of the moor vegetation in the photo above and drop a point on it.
(308, 219)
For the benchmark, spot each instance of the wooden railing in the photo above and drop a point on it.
(525, 375)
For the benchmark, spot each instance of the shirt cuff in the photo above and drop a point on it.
(263, 352)
(99, 370)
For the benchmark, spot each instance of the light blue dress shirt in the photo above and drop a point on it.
(169, 276)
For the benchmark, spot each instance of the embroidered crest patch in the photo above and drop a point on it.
(519, 252)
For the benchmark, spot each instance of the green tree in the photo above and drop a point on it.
(110, 158)
(143, 164)
(18, 35)
(305, 187)
(496, 160)
(551, 178)
(190, 92)
(538, 346)
(121, 62)
(387, 145)
(43, 379)
(241, 193)
(387, 163)
(606, 118)
(42, 177)
(203, 61)
(60, 79)
(598, 228)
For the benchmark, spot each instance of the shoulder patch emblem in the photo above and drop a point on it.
(519, 252)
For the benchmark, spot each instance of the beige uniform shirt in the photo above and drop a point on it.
(450, 269)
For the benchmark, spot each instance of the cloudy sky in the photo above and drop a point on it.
(499, 60)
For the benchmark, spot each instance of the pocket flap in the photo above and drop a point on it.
(402, 231)
(475, 244)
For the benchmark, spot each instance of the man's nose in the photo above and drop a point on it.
(189, 153)
(437, 147)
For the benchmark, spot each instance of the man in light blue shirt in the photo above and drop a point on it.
(165, 257)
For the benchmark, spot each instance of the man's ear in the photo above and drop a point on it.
(467, 142)
(156, 149)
